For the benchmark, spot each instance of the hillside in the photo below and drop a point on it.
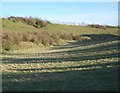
(17, 30)
(76, 66)
(58, 57)
(54, 28)
(17, 26)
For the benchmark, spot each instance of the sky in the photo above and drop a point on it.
(87, 12)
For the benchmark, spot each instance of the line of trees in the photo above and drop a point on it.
(101, 26)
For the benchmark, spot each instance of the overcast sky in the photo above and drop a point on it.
(88, 12)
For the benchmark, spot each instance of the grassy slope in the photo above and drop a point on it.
(79, 29)
(17, 26)
(53, 28)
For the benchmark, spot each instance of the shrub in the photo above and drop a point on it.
(51, 41)
(36, 22)
(7, 42)
(10, 38)
(67, 36)
(45, 40)
(39, 36)
(55, 38)
(31, 21)
(45, 23)
(39, 24)
(59, 34)
(27, 36)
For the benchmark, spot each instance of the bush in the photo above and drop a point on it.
(45, 40)
(55, 38)
(7, 41)
(36, 22)
(6, 45)
(25, 37)
(45, 23)
(67, 36)
(39, 24)
(10, 38)
(51, 41)
(31, 21)
(59, 34)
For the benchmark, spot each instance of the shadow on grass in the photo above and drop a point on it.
(96, 39)
(75, 51)
(78, 58)
(98, 79)
(102, 65)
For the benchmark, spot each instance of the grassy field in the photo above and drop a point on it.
(76, 66)
(90, 65)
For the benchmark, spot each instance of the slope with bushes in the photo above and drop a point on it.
(9, 38)
(77, 66)
(16, 30)
(41, 64)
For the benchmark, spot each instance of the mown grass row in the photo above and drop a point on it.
(91, 66)
(103, 48)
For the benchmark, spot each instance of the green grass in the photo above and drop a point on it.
(54, 28)
(71, 66)
(17, 26)
(60, 68)
(78, 30)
